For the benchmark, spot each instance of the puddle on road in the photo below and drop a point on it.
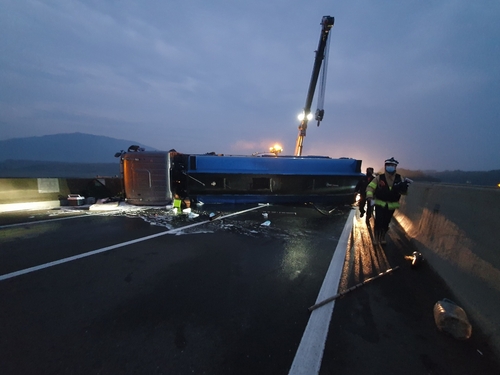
(274, 223)
(279, 222)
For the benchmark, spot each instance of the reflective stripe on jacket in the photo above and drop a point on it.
(380, 188)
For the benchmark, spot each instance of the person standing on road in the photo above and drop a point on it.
(361, 190)
(385, 190)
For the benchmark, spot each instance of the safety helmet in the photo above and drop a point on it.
(391, 161)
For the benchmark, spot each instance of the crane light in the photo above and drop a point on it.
(302, 115)
(276, 149)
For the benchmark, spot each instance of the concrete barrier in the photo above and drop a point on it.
(41, 193)
(457, 229)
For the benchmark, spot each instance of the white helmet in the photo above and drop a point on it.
(391, 161)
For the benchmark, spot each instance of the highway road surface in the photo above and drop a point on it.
(144, 291)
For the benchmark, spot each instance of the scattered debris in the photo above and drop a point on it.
(341, 294)
(111, 205)
(452, 319)
(214, 216)
(76, 200)
(283, 213)
(416, 260)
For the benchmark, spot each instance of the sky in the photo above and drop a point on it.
(414, 80)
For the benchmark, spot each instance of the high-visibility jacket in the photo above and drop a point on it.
(382, 189)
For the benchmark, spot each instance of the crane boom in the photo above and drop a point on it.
(326, 25)
(320, 112)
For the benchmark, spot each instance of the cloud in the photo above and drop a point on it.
(225, 77)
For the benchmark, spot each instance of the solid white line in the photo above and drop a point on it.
(43, 221)
(308, 358)
(78, 215)
(98, 251)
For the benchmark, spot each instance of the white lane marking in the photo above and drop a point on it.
(39, 221)
(308, 357)
(76, 216)
(102, 250)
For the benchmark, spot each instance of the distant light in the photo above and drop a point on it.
(276, 149)
(498, 185)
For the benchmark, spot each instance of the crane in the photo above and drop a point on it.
(321, 54)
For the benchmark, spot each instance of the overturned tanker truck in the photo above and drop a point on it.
(157, 177)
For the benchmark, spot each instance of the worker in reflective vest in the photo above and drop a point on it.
(384, 192)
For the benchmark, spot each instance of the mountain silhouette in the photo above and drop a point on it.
(67, 148)
(87, 155)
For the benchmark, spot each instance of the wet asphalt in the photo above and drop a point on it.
(228, 296)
